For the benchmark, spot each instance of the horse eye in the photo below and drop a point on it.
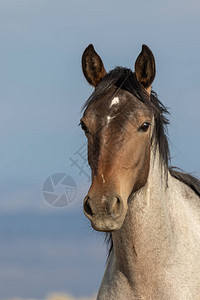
(84, 127)
(144, 127)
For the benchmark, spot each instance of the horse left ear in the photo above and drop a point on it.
(145, 68)
(92, 66)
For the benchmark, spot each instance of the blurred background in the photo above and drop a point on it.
(46, 244)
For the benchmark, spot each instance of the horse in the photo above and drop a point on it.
(149, 210)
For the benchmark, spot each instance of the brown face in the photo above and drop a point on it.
(118, 129)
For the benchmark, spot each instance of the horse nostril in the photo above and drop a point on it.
(115, 207)
(87, 207)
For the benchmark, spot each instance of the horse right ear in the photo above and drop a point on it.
(92, 66)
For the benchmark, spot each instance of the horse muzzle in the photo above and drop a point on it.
(106, 214)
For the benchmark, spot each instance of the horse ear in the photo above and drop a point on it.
(145, 68)
(92, 66)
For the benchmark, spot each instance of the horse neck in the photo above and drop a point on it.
(145, 234)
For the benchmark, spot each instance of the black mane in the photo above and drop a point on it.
(125, 79)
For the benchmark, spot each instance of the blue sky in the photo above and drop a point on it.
(42, 90)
